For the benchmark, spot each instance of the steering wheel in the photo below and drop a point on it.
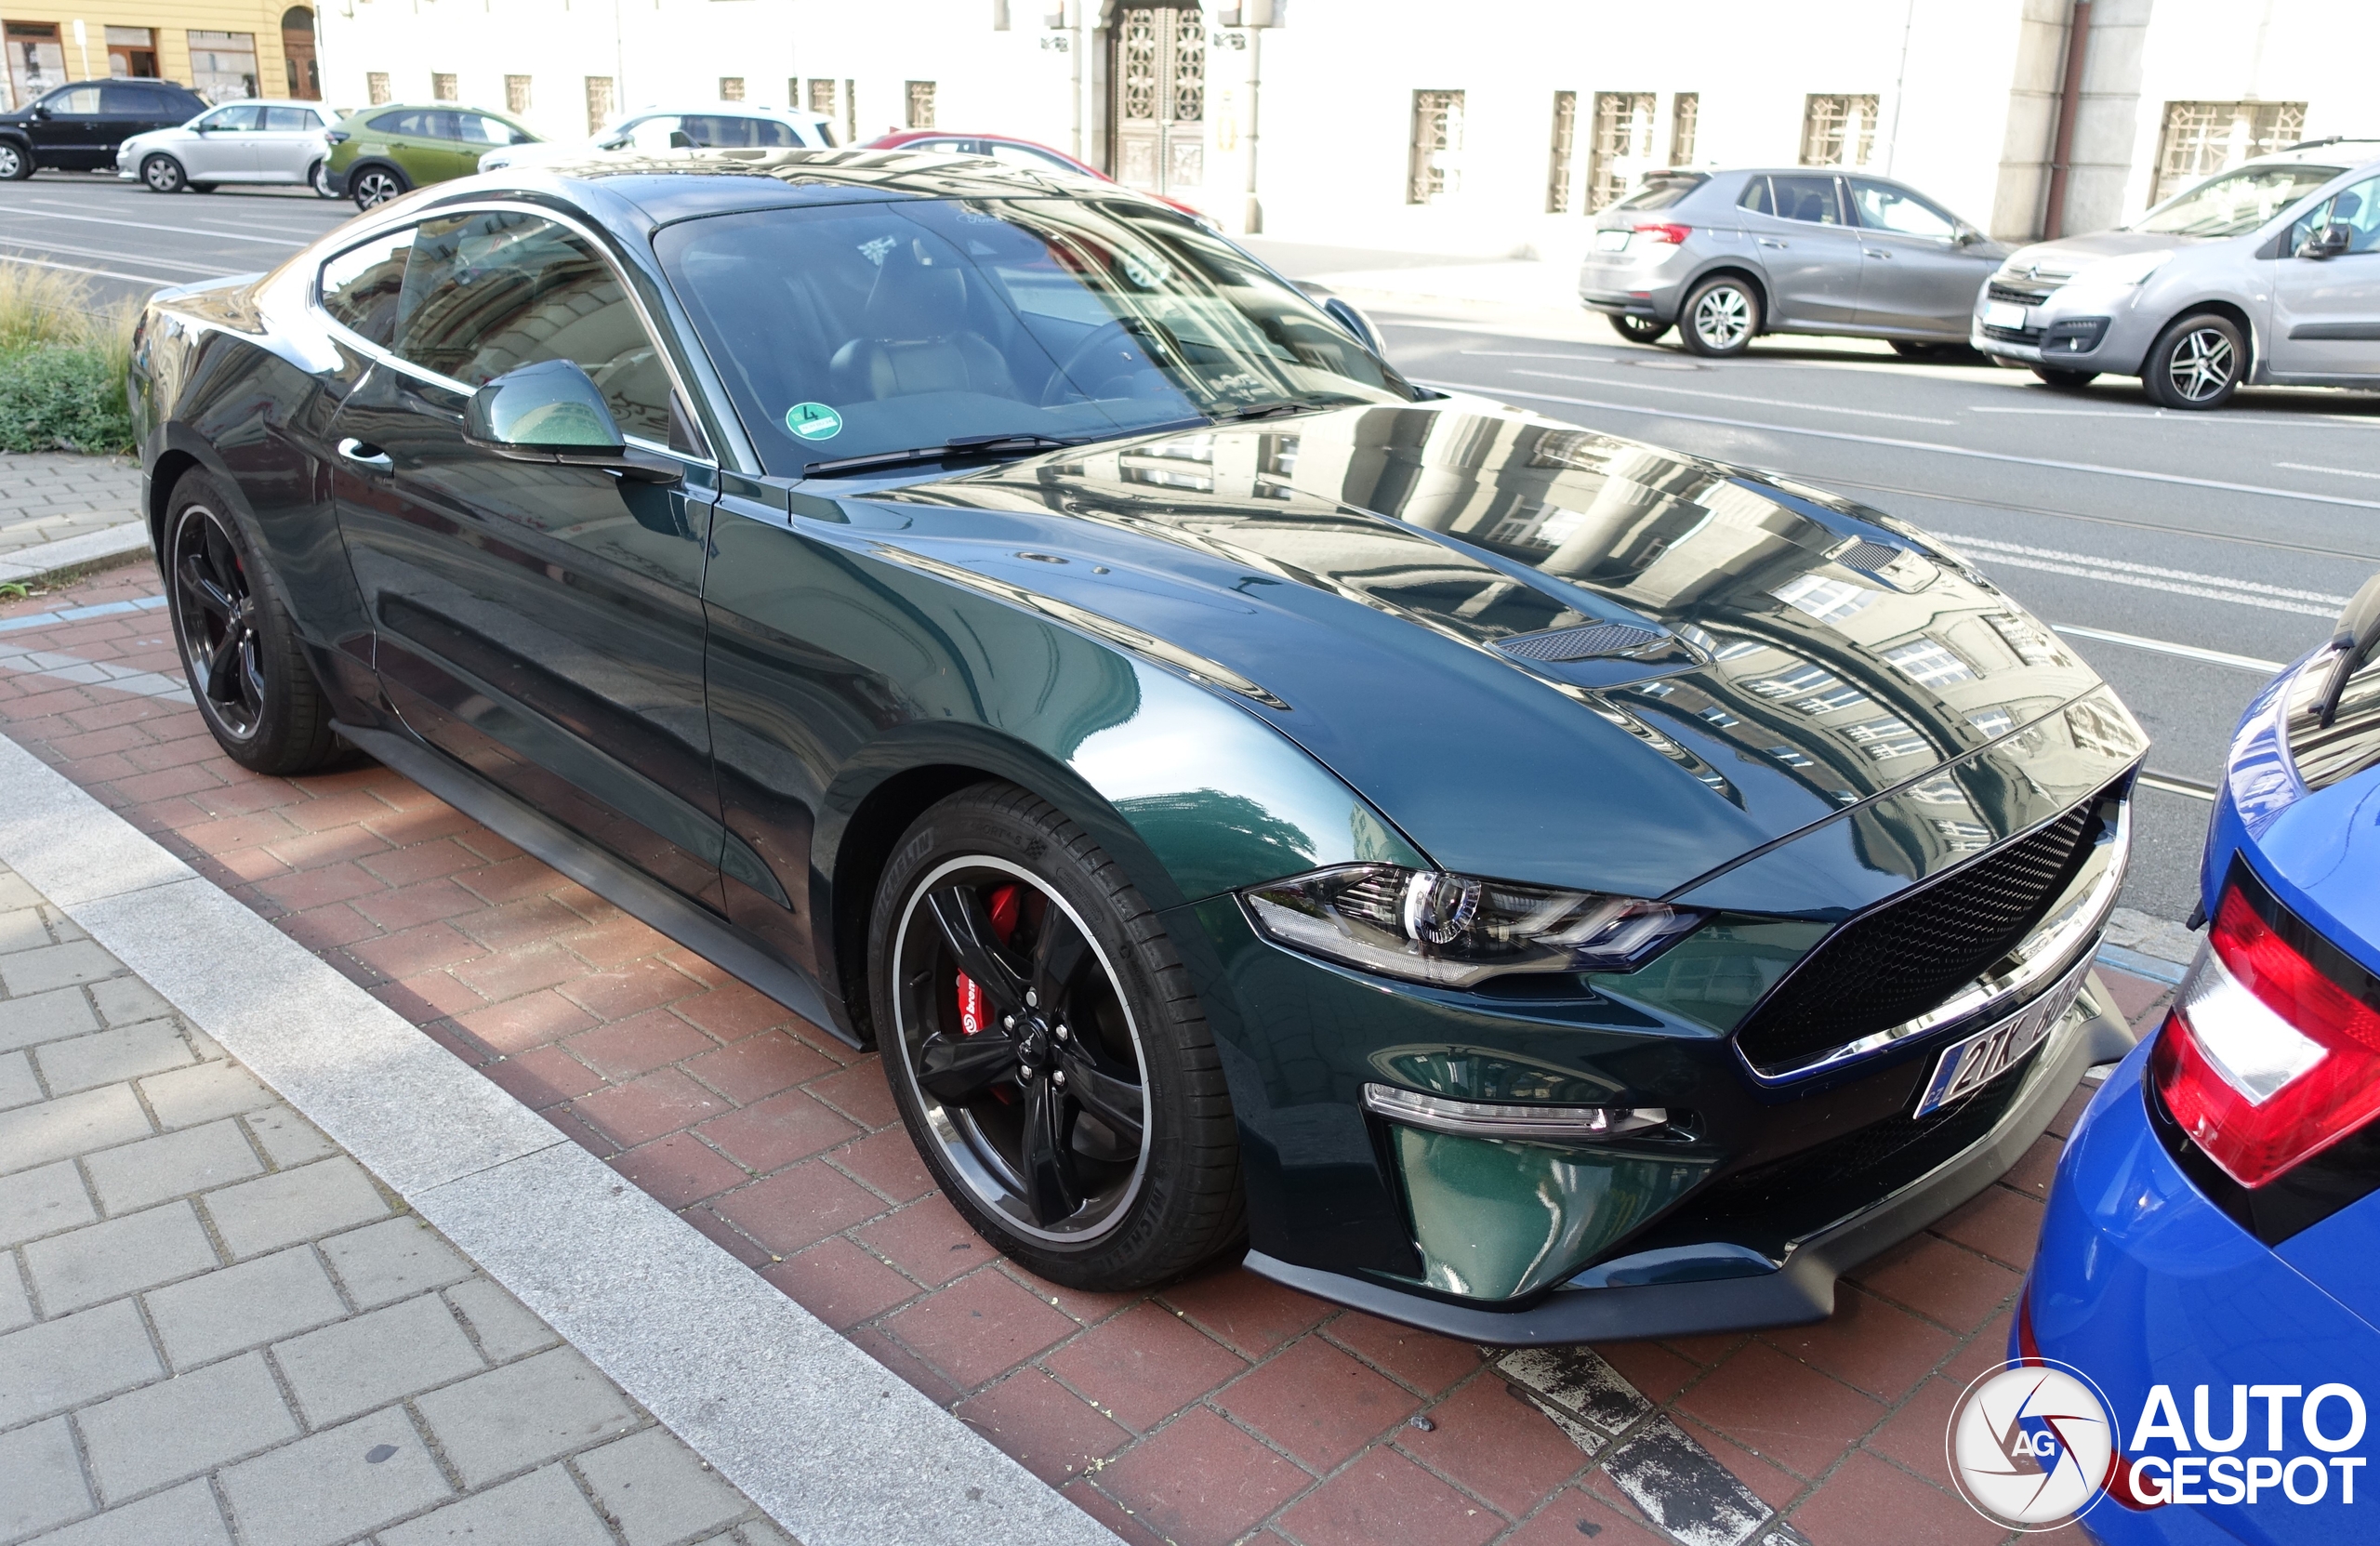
(1109, 334)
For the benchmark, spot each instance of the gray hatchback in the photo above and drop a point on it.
(1725, 257)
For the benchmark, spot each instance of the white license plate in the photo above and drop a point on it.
(1983, 1057)
(1611, 241)
(1998, 313)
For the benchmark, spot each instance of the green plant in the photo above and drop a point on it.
(63, 360)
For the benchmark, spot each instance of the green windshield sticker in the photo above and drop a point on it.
(813, 421)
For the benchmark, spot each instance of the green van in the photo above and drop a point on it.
(385, 151)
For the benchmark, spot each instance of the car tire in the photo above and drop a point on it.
(2065, 380)
(163, 174)
(1638, 330)
(318, 178)
(1092, 1205)
(376, 184)
(16, 162)
(1721, 317)
(2196, 362)
(254, 687)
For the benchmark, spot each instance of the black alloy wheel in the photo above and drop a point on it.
(375, 186)
(16, 162)
(2197, 363)
(1638, 330)
(1044, 1049)
(252, 683)
(163, 174)
(2065, 380)
(1721, 317)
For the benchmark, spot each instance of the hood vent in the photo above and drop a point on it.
(1584, 642)
(1869, 558)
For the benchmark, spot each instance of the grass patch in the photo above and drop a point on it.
(63, 358)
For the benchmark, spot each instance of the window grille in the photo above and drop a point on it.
(822, 97)
(1838, 131)
(731, 88)
(851, 112)
(1565, 135)
(375, 86)
(516, 93)
(442, 89)
(921, 104)
(1685, 118)
(1622, 147)
(2201, 139)
(602, 99)
(1436, 167)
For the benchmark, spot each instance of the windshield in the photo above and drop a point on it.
(2235, 202)
(849, 330)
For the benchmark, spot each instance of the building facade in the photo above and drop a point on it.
(224, 50)
(1493, 128)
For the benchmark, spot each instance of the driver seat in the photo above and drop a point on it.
(914, 335)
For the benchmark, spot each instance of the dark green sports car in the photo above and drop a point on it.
(1518, 881)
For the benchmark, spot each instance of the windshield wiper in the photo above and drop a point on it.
(958, 446)
(1296, 406)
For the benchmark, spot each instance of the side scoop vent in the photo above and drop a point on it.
(1584, 642)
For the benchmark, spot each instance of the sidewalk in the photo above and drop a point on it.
(60, 511)
(214, 1323)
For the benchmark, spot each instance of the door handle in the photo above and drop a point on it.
(366, 456)
(1770, 241)
(1871, 252)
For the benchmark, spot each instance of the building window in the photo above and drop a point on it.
(600, 102)
(223, 65)
(731, 88)
(516, 93)
(2201, 139)
(1624, 145)
(132, 53)
(1557, 170)
(36, 63)
(1838, 131)
(442, 89)
(1685, 117)
(921, 104)
(375, 86)
(1436, 169)
(822, 97)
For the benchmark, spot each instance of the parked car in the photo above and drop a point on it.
(1725, 257)
(707, 126)
(383, 152)
(255, 141)
(1017, 153)
(1517, 881)
(78, 126)
(2216, 1219)
(2266, 274)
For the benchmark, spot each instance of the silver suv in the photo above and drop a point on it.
(2269, 273)
(1725, 257)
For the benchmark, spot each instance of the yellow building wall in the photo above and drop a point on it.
(172, 23)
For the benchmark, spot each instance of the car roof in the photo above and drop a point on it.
(271, 101)
(422, 107)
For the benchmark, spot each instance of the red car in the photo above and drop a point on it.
(1005, 147)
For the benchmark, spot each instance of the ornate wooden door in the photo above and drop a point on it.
(1159, 86)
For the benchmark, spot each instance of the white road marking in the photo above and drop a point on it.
(145, 225)
(103, 273)
(1931, 446)
(1739, 397)
(2148, 576)
(2162, 647)
(99, 252)
(2335, 471)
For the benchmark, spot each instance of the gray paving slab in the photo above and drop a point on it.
(71, 1124)
(44, 1202)
(41, 1479)
(545, 1508)
(185, 1517)
(260, 1301)
(184, 1425)
(288, 1137)
(122, 1000)
(17, 1085)
(202, 1094)
(658, 1491)
(524, 1413)
(329, 1487)
(119, 1052)
(54, 966)
(348, 1369)
(394, 1260)
(24, 928)
(46, 1017)
(505, 1327)
(16, 1303)
(275, 1209)
(57, 1364)
(171, 1165)
(121, 1256)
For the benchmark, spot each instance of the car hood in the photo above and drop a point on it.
(2062, 259)
(1546, 653)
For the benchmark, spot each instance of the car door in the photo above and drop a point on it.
(1917, 272)
(127, 109)
(541, 623)
(217, 148)
(2326, 311)
(1805, 246)
(288, 145)
(67, 130)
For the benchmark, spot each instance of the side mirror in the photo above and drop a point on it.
(1344, 313)
(1966, 236)
(552, 412)
(41, 109)
(2329, 242)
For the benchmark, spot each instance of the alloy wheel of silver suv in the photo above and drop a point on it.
(2197, 363)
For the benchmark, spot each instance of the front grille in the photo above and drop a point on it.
(1890, 965)
(2014, 335)
(2013, 295)
(1579, 643)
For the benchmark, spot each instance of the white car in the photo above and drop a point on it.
(713, 125)
(265, 141)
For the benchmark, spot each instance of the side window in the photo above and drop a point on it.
(2356, 207)
(655, 134)
(286, 119)
(81, 102)
(362, 286)
(717, 130)
(128, 101)
(409, 121)
(1756, 197)
(1808, 199)
(774, 134)
(239, 116)
(489, 293)
(1882, 206)
(481, 130)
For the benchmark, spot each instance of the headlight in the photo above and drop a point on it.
(1453, 931)
(2130, 270)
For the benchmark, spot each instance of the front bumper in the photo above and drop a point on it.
(2098, 331)
(1593, 1307)
(336, 181)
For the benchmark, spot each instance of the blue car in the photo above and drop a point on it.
(2209, 1259)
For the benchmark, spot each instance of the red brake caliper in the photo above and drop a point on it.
(974, 1008)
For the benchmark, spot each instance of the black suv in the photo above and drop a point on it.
(78, 127)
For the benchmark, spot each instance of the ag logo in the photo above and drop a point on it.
(2030, 1446)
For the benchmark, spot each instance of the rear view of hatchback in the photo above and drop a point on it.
(2211, 1254)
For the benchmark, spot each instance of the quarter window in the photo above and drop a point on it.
(361, 287)
(489, 293)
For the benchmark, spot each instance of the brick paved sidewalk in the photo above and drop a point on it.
(215, 1326)
(1217, 1410)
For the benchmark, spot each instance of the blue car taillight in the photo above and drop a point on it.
(2267, 1059)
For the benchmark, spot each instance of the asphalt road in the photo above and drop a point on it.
(2184, 555)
